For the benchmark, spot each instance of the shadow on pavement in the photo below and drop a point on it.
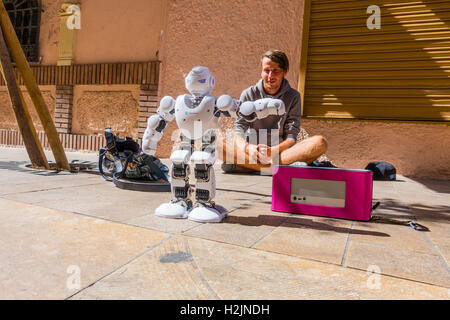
(396, 209)
(22, 166)
(296, 222)
(439, 186)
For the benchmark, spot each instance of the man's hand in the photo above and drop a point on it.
(264, 154)
(252, 151)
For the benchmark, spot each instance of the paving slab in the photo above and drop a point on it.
(100, 199)
(263, 188)
(45, 250)
(393, 209)
(399, 236)
(245, 226)
(167, 272)
(383, 188)
(405, 253)
(431, 210)
(256, 184)
(192, 268)
(15, 183)
(171, 226)
(422, 267)
(229, 200)
(423, 191)
(309, 237)
(439, 237)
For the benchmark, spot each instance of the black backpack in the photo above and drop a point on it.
(382, 170)
(123, 158)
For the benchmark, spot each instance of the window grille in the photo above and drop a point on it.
(25, 16)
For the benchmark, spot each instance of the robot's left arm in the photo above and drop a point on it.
(156, 125)
(251, 110)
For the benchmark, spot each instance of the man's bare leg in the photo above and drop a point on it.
(238, 156)
(306, 150)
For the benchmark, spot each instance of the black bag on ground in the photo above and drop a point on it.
(123, 158)
(322, 164)
(382, 170)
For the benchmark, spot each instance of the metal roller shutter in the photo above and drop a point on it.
(400, 71)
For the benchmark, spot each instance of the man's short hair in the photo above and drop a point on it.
(279, 57)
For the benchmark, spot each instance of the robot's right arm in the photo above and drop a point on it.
(228, 106)
(251, 110)
(156, 125)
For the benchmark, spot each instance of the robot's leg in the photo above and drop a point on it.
(181, 204)
(205, 209)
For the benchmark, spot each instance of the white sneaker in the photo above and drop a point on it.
(299, 164)
(174, 210)
(204, 213)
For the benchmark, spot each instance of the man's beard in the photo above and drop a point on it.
(272, 86)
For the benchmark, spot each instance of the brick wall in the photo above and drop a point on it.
(148, 103)
(63, 108)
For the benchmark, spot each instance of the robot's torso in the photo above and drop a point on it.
(195, 115)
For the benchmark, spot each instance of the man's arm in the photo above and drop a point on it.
(271, 154)
(239, 142)
(286, 144)
(291, 126)
(240, 127)
(250, 149)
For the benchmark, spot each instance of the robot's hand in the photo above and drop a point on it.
(225, 103)
(166, 108)
(156, 124)
(153, 133)
(262, 108)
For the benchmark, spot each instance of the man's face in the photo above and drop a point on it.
(272, 76)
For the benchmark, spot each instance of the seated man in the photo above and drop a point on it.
(272, 140)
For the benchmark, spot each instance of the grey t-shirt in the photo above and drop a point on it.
(273, 129)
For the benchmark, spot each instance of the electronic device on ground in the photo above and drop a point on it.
(328, 192)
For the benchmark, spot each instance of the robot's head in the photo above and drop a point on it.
(200, 81)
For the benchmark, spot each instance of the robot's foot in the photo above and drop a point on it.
(174, 210)
(205, 213)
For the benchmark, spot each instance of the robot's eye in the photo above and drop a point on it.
(202, 80)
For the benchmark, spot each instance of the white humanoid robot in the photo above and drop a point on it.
(197, 116)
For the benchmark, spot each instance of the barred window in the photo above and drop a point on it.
(25, 16)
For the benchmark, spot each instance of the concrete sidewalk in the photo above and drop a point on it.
(74, 235)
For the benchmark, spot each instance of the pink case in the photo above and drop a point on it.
(328, 192)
